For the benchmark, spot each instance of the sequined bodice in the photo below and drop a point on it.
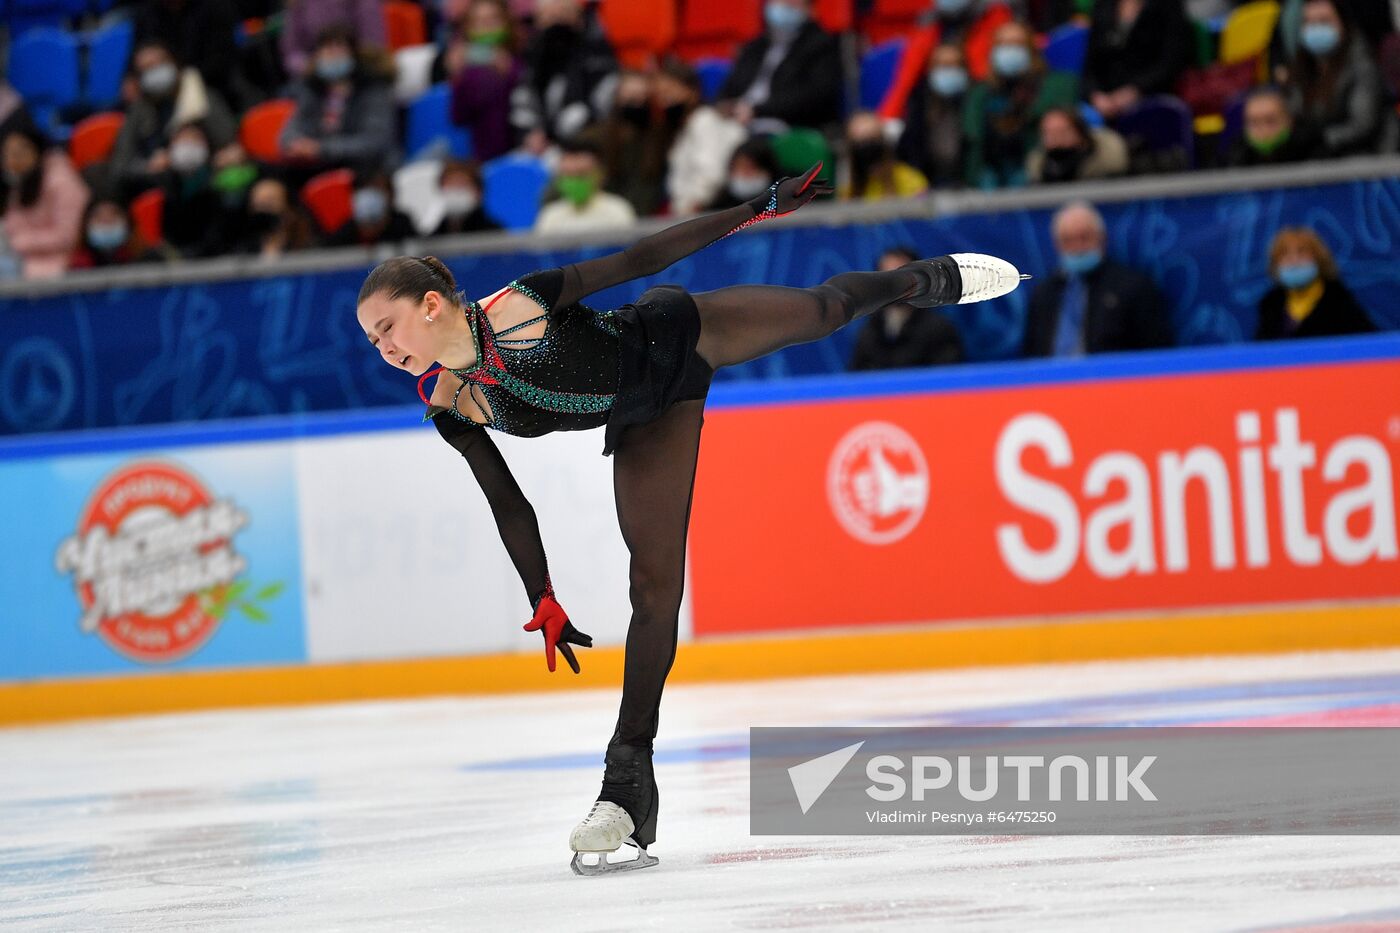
(565, 380)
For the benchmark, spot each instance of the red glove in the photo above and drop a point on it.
(551, 620)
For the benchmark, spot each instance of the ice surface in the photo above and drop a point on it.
(454, 814)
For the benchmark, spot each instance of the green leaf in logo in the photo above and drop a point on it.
(254, 612)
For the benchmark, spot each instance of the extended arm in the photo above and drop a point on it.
(651, 254)
(519, 530)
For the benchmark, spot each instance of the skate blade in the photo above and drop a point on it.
(604, 866)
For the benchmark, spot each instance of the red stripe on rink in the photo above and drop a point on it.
(1384, 714)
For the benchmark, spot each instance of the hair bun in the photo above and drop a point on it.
(436, 264)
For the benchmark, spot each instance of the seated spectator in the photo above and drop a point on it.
(568, 77)
(483, 63)
(41, 202)
(582, 204)
(699, 156)
(1137, 48)
(1071, 150)
(1001, 115)
(1333, 82)
(875, 171)
(1271, 136)
(1092, 304)
(199, 220)
(1309, 299)
(633, 141)
(932, 140)
(789, 76)
(272, 226)
(901, 336)
(345, 114)
(170, 97)
(305, 21)
(967, 25)
(373, 218)
(460, 184)
(111, 239)
(202, 33)
(753, 167)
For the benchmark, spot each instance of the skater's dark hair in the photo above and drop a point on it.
(410, 277)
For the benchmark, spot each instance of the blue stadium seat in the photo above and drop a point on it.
(108, 51)
(1090, 115)
(877, 71)
(1160, 124)
(44, 71)
(514, 185)
(24, 15)
(712, 72)
(430, 131)
(1067, 47)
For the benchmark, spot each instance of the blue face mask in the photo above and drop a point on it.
(948, 80)
(1011, 61)
(1081, 263)
(952, 7)
(1298, 275)
(782, 17)
(1320, 38)
(335, 68)
(369, 205)
(106, 237)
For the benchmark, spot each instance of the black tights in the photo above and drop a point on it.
(654, 465)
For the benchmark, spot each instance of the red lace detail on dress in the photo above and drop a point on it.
(490, 355)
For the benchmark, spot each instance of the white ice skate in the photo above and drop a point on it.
(606, 829)
(985, 277)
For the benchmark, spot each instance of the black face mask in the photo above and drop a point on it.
(674, 116)
(261, 223)
(635, 114)
(869, 153)
(1062, 164)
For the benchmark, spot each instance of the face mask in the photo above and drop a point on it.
(867, 152)
(1081, 263)
(951, 8)
(478, 54)
(160, 80)
(1011, 61)
(334, 68)
(783, 18)
(490, 37)
(635, 114)
(261, 223)
(459, 202)
(674, 115)
(576, 189)
(948, 80)
(369, 205)
(1270, 145)
(1320, 38)
(1297, 275)
(1062, 163)
(744, 187)
(106, 237)
(15, 179)
(186, 157)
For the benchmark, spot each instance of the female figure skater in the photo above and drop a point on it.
(531, 359)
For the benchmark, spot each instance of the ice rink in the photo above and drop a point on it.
(454, 814)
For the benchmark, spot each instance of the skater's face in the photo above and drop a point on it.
(400, 332)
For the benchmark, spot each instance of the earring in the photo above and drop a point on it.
(428, 318)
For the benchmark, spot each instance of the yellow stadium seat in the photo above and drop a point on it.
(1247, 33)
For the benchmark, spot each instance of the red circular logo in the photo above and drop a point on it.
(877, 482)
(152, 548)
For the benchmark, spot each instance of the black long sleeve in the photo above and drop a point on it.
(515, 517)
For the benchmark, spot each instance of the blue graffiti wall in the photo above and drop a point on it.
(291, 344)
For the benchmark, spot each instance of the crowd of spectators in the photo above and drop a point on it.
(972, 102)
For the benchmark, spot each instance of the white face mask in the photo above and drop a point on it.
(744, 187)
(459, 202)
(188, 156)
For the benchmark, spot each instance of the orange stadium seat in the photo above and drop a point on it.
(327, 197)
(404, 24)
(639, 30)
(148, 215)
(262, 126)
(716, 30)
(93, 138)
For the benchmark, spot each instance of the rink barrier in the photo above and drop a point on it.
(1321, 628)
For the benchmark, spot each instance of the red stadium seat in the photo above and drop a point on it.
(262, 127)
(834, 15)
(147, 214)
(404, 24)
(93, 138)
(892, 19)
(640, 30)
(716, 30)
(327, 197)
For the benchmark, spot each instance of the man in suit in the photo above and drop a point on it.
(1092, 304)
(790, 75)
